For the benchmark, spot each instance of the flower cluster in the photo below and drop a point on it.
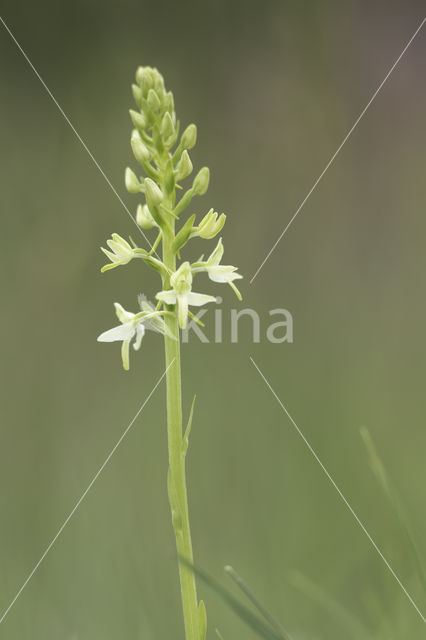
(165, 161)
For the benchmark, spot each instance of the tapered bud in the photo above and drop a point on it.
(153, 99)
(159, 84)
(138, 119)
(144, 217)
(189, 137)
(137, 94)
(153, 193)
(169, 103)
(167, 128)
(141, 152)
(139, 75)
(184, 166)
(132, 183)
(145, 79)
(201, 181)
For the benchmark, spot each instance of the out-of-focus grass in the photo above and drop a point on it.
(349, 624)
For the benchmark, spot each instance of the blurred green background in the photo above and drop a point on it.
(273, 88)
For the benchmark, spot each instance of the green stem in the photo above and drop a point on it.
(176, 476)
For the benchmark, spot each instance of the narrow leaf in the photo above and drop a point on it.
(203, 619)
(350, 623)
(379, 471)
(182, 236)
(243, 612)
(259, 606)
(185, 442)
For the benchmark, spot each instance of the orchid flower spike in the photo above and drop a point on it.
(121, 252)
(181, 294)
(218, 272)
(132, 326)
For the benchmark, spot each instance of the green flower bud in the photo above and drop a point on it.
(159, 84)
(167, 128)
(153, 100)
(189, 137)
(169, 177)
(138, 119)
(145, 79)
(141, 152)
(169, 104)
(154, 195)
(132, 183)
(144, 217)
(201, 181)
(137, 94)
(184, 166)
(139, 75)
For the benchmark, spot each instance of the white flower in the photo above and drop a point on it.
(131, 326)
(210, 225)
(181, 293)
(218, 272)
(121, 252)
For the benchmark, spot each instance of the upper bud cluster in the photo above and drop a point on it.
(156, 106)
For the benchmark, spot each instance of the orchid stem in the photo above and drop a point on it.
(178, 497)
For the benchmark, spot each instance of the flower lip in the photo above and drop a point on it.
(218, 272)
(182, 295)
(132, 326)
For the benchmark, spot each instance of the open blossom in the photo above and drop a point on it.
(181, 294)
(210, 225)
(132, 326)
(121, 252)
(218, 272)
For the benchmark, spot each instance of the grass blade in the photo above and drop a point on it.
(347, 621)
(379, 471)
(256, 602)
(242, 611)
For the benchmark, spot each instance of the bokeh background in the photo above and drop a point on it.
(273, 88)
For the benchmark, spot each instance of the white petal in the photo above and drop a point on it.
(121, 241)
(222, 273)
(125, 354)
(140, 332)
(169, 297)
(183, 310)
(122, 332)
(109, 255)
(216, 255)
(198, 299)
(121, 252)
(122, 314)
